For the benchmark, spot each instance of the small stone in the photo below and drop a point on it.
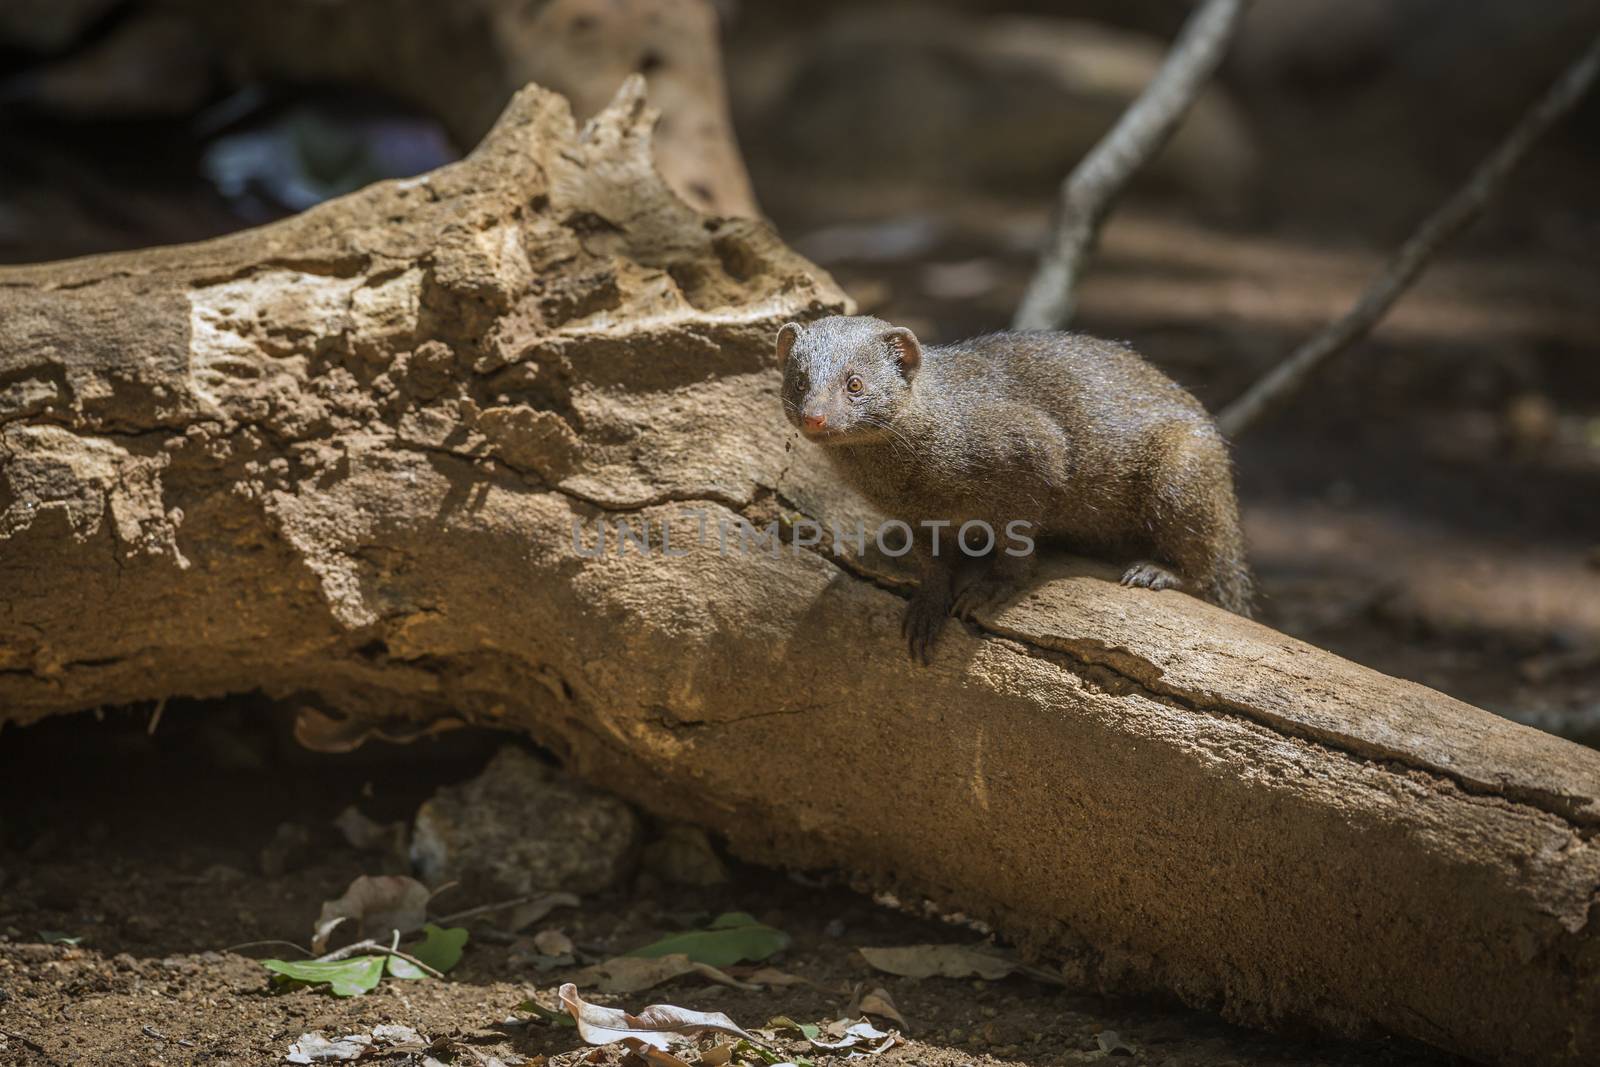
(522, 827)
(684, 855)
(1111, 1044)
(289, 848)
(553, 942)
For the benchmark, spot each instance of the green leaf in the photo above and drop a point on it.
(554, 1018)
(731, 938)
(809, 1031)
(57, 937)
(751, 1050)
(346, 978)
(399, 968)
(440, 949)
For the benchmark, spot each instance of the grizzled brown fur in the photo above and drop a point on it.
(1080, 437)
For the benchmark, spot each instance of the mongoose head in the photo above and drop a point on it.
(847, 377)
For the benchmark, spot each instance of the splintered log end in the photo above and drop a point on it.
(222, 425)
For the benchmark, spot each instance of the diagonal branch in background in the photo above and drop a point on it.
(1097, 181)
(1397, 275)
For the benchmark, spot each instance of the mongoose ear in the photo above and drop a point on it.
(906, 348)
(786, 339)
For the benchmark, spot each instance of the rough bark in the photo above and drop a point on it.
(341, 458)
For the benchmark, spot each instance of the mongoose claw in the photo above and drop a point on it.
(1151, 576)
(981, 595)
(923, 620)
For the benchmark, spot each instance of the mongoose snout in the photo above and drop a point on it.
(1078, 439)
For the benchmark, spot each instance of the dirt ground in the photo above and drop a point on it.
(1430, 508)
(148, 849)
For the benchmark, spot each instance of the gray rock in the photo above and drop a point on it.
(523, 827)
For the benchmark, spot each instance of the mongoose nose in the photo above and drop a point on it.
(814, 422)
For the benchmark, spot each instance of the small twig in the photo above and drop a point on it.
(257, 944)
(437, 891)
(1403, 268)
(27, 1042)
(486, 909)
(380, 948)
(155, 717)
(481, 909)
(1097, 180)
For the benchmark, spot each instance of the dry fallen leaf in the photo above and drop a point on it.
(529, 912)
(848, 1034)
(717, 1055)
(656, 1025)
(553, 943)
(879, 1003)
(366, 834)
(771, 976)
(634, 974)
(942, 961)
(402, 1038)
(652, 1056)
(380, 905)
(314, 1048)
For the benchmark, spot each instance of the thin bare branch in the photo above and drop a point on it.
(269, 941)
(1405, 265)
(555, 899)
(1097, 180)
(381, 949)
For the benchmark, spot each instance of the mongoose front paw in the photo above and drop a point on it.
(985, 593)
(925, 617)
(1151, 576)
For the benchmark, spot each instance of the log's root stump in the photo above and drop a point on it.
(346, 457)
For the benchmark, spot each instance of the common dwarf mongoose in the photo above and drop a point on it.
(1078, 437)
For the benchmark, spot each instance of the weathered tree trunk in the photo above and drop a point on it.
(342, 458)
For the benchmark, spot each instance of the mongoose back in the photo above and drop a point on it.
(1078, 437)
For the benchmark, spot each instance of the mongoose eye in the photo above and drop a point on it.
(853, 385)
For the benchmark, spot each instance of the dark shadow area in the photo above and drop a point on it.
(153, 854)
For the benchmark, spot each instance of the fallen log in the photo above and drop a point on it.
(359, 459)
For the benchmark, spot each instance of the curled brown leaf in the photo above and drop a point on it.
(656, 1026)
